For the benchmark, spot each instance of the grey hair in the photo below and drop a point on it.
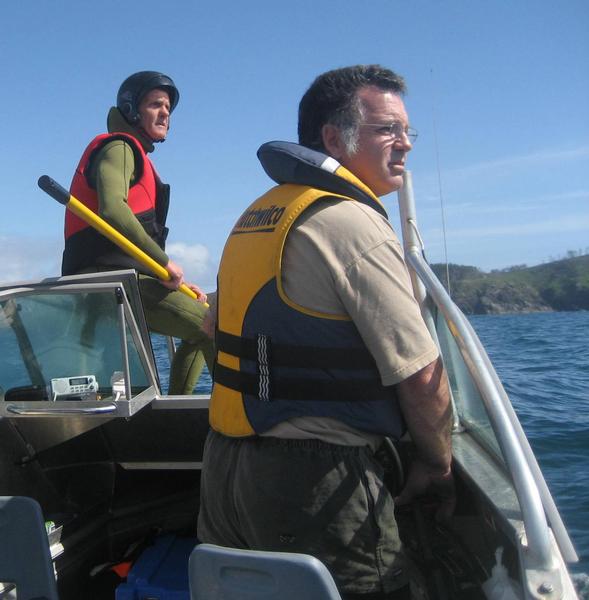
(349, 124)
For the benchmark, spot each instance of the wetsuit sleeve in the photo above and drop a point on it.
(112, 173)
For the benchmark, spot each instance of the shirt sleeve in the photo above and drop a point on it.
(377, 293)
(345, 258)
(112, 172)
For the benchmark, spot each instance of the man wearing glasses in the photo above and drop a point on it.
(322, 351)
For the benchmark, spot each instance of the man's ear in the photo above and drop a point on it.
(332, 141)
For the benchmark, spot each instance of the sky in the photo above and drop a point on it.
(498, 91)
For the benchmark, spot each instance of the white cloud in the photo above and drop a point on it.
(26, 258)
(550, 226)
(196, 262)
(458, 180)
(503, 206)
(533, 159)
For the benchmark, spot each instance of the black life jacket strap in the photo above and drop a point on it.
(284, 355)
(297, 389)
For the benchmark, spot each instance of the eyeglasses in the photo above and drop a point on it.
(394, 130)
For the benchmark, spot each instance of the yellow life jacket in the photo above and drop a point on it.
(276, 359)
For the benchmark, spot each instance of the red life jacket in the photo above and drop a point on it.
(148, 198)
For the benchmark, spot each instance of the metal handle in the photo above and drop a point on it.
(48, 412)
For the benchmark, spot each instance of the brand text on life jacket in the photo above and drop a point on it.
(261, 217)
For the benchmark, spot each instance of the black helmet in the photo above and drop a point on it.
(137, 85)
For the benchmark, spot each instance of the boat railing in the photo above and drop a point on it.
(531, 490)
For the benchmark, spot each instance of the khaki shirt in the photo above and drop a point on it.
(345, 258)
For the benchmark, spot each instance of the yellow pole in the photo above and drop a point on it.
(56, 191)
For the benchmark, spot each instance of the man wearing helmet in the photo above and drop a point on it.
(117, 180)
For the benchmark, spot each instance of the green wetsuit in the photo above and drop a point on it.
(168, 312)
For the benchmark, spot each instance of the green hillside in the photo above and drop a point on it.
(558, 285)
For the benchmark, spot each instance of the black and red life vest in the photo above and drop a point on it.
(148, 198)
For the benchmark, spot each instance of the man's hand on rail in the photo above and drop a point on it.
(423, 479)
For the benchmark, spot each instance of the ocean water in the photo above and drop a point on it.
(543, 361)
(161, 353)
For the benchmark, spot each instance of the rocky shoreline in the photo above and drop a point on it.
(556, 286)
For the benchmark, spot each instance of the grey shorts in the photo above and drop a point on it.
(303, 496)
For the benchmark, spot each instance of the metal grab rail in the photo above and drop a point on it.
(487, 382)
(50, 412)
(560, 533)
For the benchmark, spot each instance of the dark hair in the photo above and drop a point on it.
(332, 98)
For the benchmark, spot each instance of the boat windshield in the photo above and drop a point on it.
(60, 345)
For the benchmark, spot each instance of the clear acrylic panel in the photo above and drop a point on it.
(63, 335)
(468, 401)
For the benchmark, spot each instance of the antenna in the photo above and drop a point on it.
(440, 183)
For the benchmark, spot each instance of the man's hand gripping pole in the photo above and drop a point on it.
(56, 191)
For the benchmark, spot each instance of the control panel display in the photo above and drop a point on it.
(73, 386)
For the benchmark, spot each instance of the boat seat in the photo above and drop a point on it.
(25, 559)
(217, 573)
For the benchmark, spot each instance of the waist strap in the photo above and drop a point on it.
(268, 389)
(306, 357)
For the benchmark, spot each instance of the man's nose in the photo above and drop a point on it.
(403, 143)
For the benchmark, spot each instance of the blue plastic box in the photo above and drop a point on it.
(161, 572)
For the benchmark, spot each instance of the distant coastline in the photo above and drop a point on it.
(561, 285)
